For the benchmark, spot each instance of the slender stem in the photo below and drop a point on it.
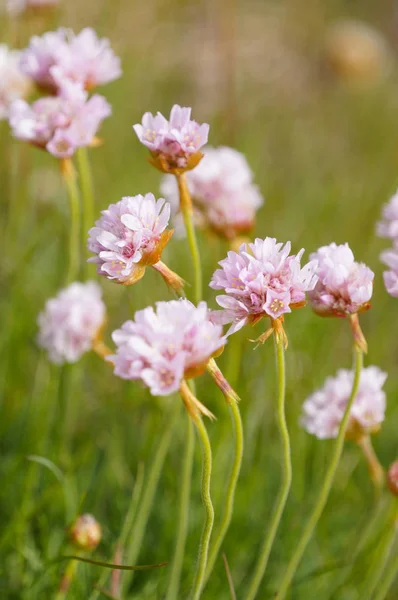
(207, 503)
(376, 471)
(185, 493)
(377, 567)
(327, 484)
(388, 579)
(74, 245)
(138, 531)
(287, 474)
(233, 480)
(66, 581)
(187, 213)
(86, 184)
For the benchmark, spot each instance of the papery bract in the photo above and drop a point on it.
(324, 409)
(261, 280)
(344, 286)
(13, 83)
(71, 321)
(161, 347)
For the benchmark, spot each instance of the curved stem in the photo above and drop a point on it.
(73, 196)
(207, 503)
(287, 474)
(388, 579)
(176, 567)
(327, 484)
(233, 480)
(86, 183)
(376, 471)
(187, 213)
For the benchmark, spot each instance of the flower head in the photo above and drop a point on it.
(13, 83)
(222, 191)
(162, 346)
(388, 227)
(129, 236)
(60, 124)
(85, 533)
(83, 58)
(16, 7)
(324, 409)
(390, 258)
(174, 143)
(261, 280)
(344, 286)
(71, 321)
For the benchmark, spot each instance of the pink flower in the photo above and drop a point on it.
(83, 58)
(71, 321)
(16, 7)
(390, 258)
(174, 142)
(59, 124)
(344, 286)
(388, 228)
(222, 191)
(13, 83)
(324, 409)
(262, 279)
(129, 233)
(162, 347)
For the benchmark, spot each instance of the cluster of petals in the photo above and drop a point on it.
(16, 7)
(161, 347)
(71, 321)
(324, 409)
(60, 124)
(222, 190)
(261, 279)
(83, 57)
(388, 228)
(13, 83)
(344, 286)
(128, 233)
(176, 139)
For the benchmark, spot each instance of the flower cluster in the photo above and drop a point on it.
(13, 83)
(222, 191)
(261, 280)
(83, 58)
(16, 7)
(164, 346)
(174, 143)
(324, 409)
(344, 286)
(388, 228)
(129, 236)
(71, 321)
(60, 124)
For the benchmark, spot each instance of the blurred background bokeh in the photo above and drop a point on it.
(308, 91)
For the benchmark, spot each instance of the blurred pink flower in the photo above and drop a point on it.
(59, 124)
(388, 227)
(222, 191)
(390, 258)
(83, 58)
(344, 287)
(13, 83)
(261, 280)
(324, 409)
(175, 141)
(162, 347)
(16, 7)
(128, 233)
(70, 322)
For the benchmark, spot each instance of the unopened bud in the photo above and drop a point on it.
(85, 533)
(392, 478)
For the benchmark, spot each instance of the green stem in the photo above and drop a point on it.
(287, 474)
(138, 531)
(388, 579)
(327, 484)
(185, 492)
(233, 480)
(187, 213)
(86, 183)
(207, 503)
(74, 208)
(66, 580)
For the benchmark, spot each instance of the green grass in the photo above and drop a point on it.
(325, 157)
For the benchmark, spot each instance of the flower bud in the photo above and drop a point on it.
(85, 533)
(392, 478)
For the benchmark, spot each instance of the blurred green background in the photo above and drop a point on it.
(322, 140)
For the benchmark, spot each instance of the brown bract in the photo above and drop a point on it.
(167, 164)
